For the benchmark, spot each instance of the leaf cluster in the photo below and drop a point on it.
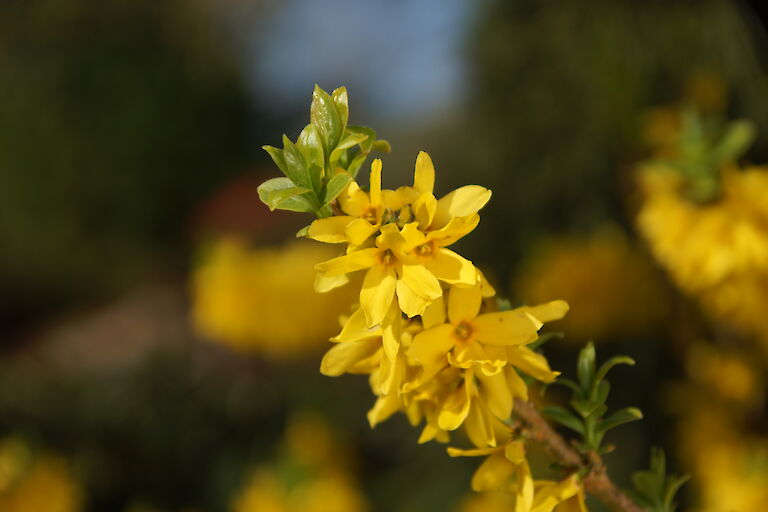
(586, 415)
(326, 156)
(704, 148)
(654, 489)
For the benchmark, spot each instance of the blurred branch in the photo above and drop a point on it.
(596, 479)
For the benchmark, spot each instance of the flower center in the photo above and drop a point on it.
(388, 257)
(424, 249)
(463, 331)
(370, 216)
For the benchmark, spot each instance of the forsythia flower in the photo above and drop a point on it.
(43, 484)
(589, 272)
(715, 251)
(453, 359)
(506, 470)
(325, 484)
(261, 300)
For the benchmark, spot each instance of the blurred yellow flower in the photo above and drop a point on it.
(262, 300)
(717, 251)
(43, 483)
(311, 475)
(595, 275)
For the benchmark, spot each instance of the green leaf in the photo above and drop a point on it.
(296, 167)
(325, 117)
(564, 417)
(311, 146)
(282, 194)
(544, 338)
(585, 368)
(602, 391)
(367, 144)
(737, 138)
(584, 407)
(382, 145)
(620, 417)
(606, 366)
(302, 232)
(356, 163)
(336, 186)
(341, 101)
(569, 384)
(277, 157)
(673, 486)
(349, 140)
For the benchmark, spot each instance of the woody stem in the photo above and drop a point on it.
(596, 481)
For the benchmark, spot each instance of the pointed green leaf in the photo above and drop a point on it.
(602, 391)
(277, 157)
(311, 146)
(620, 417)
(296, 165)
(282, 194)
(382, 145)
(302, 232)
(336, 186)
(736, 140)
(584, 407)
(569, 384)
(325, 117)
(564, 417)
(606, 366)
(586, 366)
(349, 140)
(341, 101)
(356, 163)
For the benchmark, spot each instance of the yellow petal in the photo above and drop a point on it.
(410, 303)
(355, 329)
(424, 174)
(384, 407)
(430, 346)
(496, 394)
(478, 425)
(358, 231)
(421, 281)
(330, 230)
(548, 312)
(392, 331)
(494, 474)
(463, 303)
(412, 236)
(505, 328)
(343, 356)
(550, 494)
(517, 386)
(354, 201)
(488, 290)
(351, 262)
(376, 182)
(377, 293)
(390, 238)
(473, 452)
(325, 284)
(531, 363)
(424, 209)
(460, 203)
(455, 409)
(434, 314)
(451, 268)
(455, 229)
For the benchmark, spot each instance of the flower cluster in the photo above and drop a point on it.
(427, 329)
(715, 246)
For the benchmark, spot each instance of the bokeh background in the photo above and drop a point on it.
(160, 340)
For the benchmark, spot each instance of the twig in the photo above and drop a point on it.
(596, 481)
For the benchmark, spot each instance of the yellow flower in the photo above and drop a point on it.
(365, 212)
(470, 338)
(321, 481)
(406, 264)
(718, 251)
(506, 469)
(41, 484)
(589, 273)
(261, 300)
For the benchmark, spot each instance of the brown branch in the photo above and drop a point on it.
(596, 481)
